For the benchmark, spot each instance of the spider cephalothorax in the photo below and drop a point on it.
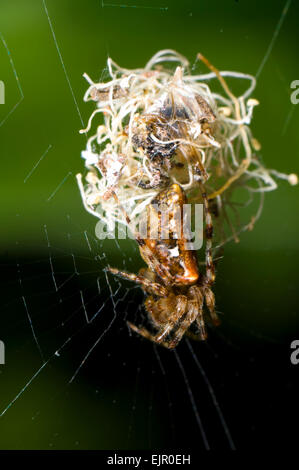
(176, 290)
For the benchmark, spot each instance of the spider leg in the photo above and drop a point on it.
(197, 297)
(148, 285)
(210, 301)
(146, 334)
(210, 269)
(218, 75)
(201, 324)
(191, 315)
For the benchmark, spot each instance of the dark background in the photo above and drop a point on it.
(123, 397)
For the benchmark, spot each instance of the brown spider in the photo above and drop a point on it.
(176, 290)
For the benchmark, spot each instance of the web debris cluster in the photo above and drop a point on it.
(116, 158)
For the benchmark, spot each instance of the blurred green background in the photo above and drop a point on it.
(257, 279)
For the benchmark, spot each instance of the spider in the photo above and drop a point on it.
(176, 290)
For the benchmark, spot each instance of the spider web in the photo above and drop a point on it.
(75, 376)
